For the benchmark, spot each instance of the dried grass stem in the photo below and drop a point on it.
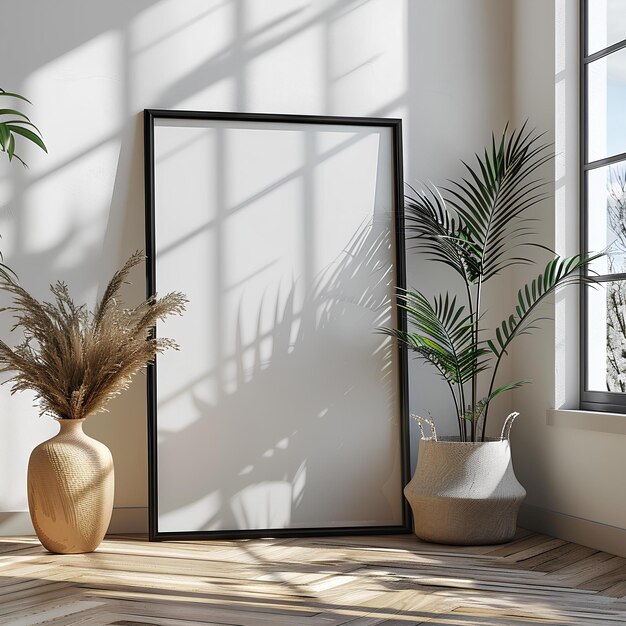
(76, 360)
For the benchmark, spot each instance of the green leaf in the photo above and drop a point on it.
(558, 272)
(441, 333)
(13, 112)
(492, 201)
(499, 338)
(432, 224)
(5, 135)
(11, 127)
(28, 134)
(20, 160)
(511, 323)
(23, 123)
(484, 403)
(14, 95)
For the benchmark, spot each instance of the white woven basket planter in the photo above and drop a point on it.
(465, 493)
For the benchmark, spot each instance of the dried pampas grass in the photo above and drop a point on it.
(77, 360)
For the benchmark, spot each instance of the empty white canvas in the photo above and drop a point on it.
(281, 409)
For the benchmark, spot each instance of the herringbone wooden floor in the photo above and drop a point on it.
(359, 581)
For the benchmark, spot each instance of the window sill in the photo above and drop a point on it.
(595, 421)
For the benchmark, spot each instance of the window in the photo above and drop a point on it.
(603, 200)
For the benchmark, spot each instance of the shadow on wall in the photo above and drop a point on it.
(235, 466)
(90, 69)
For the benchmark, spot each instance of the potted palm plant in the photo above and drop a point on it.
(75, 361)
(464, 491)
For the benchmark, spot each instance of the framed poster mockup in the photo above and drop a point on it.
(285, 411)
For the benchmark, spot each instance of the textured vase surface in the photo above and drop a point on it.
(70, 490)
(464, 493)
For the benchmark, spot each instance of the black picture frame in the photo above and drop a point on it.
(150, 117)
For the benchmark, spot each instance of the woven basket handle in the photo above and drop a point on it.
(506, 428)
(430, 422)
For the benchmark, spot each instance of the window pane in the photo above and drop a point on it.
(606, 337)
(606, 217)
(606, 23)
(606, 81)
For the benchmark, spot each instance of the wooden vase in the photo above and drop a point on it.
(70, 490)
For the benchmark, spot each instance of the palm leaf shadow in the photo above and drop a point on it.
(267, 475)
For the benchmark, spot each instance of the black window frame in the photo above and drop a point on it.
(614, 402)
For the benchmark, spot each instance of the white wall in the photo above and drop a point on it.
(92, 67)
(572, 463)
(460, 88)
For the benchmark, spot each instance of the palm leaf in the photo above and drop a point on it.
(10, 128)
(437, 231)
(441, 334)
(28, 134)
(483, 404)
(14, 95)
(495, 194)
(557, 273)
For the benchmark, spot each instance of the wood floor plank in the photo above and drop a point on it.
(535, 551)
(592, 567)
(329, 581)
(519, 545)
(568, 557)
(606, 580)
